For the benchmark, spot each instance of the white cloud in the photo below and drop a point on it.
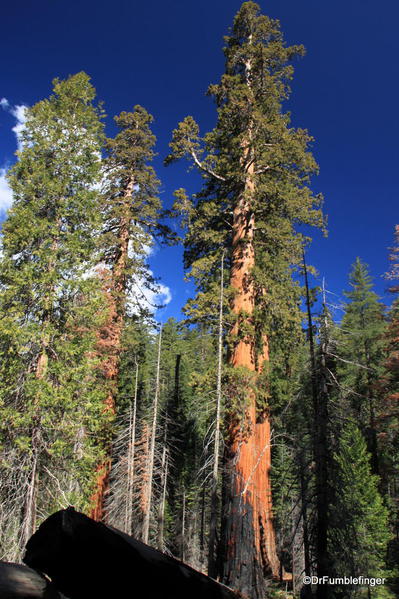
(19, 112)
(165, 294)
(140, 295)
(161, 295)
(5, 192)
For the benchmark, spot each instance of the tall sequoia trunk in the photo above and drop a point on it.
(249, 543)
(109, 343)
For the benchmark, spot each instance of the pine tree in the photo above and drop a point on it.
(316, 382)
(389, 382)
(387, 427)
(50, 389)
(256, 172)
(387, 415)
(361, 346)
(393, 273)
(359, 521)
(325, 377)
(390, 378)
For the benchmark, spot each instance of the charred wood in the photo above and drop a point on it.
(20, 582)
(84, 558)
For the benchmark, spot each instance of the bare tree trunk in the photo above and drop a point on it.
(183, 528)
(320, 456)
(162, 504)
(142, 475)
(147, 515)
(212, 547)
(131, 457)
(307, 591)
(202, 526)
(29, 518)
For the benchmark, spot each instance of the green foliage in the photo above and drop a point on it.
(131, 208)
(393, 273)
(389, 391)
(387, 426)
(50, 306)
(361, 340)
(253, 157)
(249, 103)
(361, 349)
(359, 531)
(238, 385)
(83, 210)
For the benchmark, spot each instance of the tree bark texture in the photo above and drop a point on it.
(109, 343)
(249, 541)
(131, 457)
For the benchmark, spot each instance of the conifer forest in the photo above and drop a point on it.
(256, 439)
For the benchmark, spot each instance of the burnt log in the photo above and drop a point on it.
(20, 582)
(84, 558)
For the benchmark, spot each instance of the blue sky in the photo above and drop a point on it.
(164, 55)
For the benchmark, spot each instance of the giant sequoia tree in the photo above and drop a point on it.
(51, 402)
(256, 171)
(131, 210)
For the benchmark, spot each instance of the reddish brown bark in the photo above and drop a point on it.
(250, 551)
(108, 346)
(109, 343)
(267, 540)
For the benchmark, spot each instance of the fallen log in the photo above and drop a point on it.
(20, 582)
(84, 558)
